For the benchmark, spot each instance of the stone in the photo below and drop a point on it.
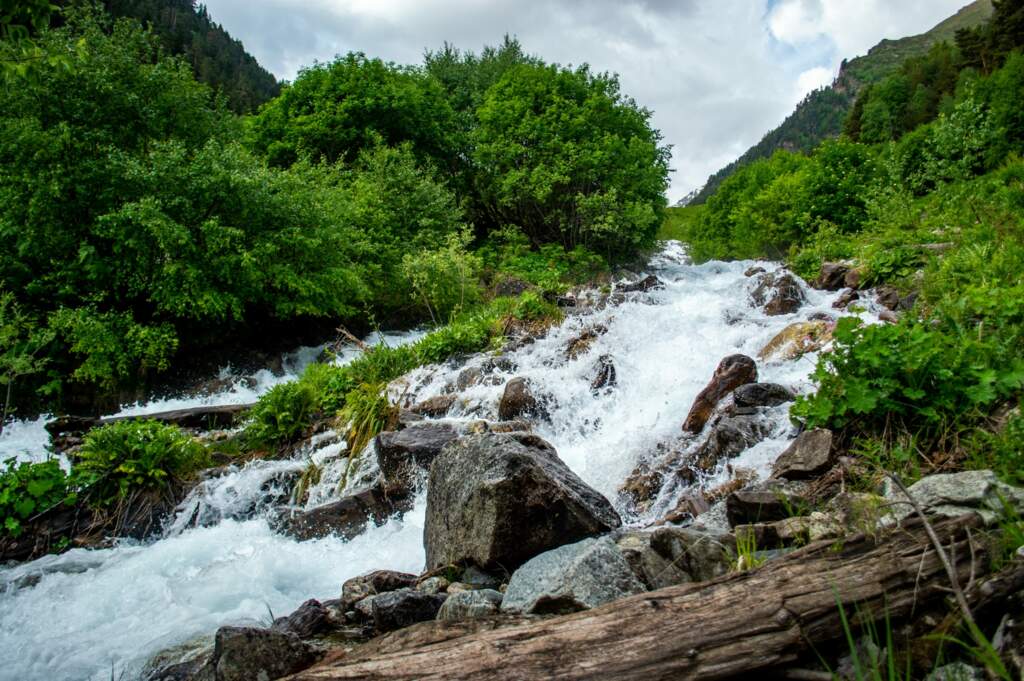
(402, 454)
(344, 518)
(605, 376)
(436, 406)
(732, 372)
(853, 278)
(698, 554)
(247, 653)
(364, 608)
(797, 339)
(310, 619)
(832, 276)
(778, 293)
(498, 499)
(398, 609)
(808, 456)
(433, 585)
(581, 343)
(457, 588)
(571, 578)
(762, 504)
(652, 569)
(469, 605)
(691, 504)
(762, 395)
(845, 298)
(949, 495)
(754, 270)
(728, 437)
(888, 297)
(517, 400)
(648, 283)
(190, 661)
(479, 579)
(373, 583)
(807, 528)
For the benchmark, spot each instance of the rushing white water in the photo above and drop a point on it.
(83, 613)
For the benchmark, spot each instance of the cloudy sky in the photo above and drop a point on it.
(717, 74)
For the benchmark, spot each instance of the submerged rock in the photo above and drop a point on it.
(247, 653)
(732, 372)
(468, 605)
(498, 499)
(581, 343)
(517, 401)
(571, 578)
(648, 283)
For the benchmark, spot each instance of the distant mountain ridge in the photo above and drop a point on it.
(821, 113)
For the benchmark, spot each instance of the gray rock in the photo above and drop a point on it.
(762, 395)
(190, 661)
(398, 609)
(246, 653)
(763, 503)
(957, 671)
(498, 499)
(435, 406)
(571, 578)
(479, 579)
(468, 605)
(403, 453)
(809, 455)
(433, 585)
(950, 495)
(648, 283)
(605, 376)
(728, 437)
(651, 568)
(346, 517)
(697, 554)
(373, 583)
(517, 400)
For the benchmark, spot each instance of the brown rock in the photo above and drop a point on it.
(732, 372)
(845, 298)
(888, 297)
(436, 406)
(517, 400)
(345, 518)
(778, 293)
(605, 377)
(832, 276)
(797, 339)
(853, 278)
(646, 284)
(809, 455)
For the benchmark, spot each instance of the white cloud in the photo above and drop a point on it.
(718, 74)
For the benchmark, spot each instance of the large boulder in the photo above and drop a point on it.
(498, 499)
(344, 518)
(246, 653)
(373, 583)
(809, 455)
(778, 293)
(732, 372)
(517, 400)
(797, 339)
(571, 578)
(950, 495)
(401, 608)
(401, 454)
(469, 605)
(728, 437)
(435, 406)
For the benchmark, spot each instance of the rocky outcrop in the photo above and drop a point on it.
(797, 339)
(498, 499)
(571, 578)
(344, 518)
(808, 456)
(517, 401)
(468, 605)
(403, 453)
(778, 293)
(247, 653)
(732, 372)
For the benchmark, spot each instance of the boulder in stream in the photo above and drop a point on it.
(498, 499)
(762, 395)
(517, 401)
(797, 339)
(401, 453)
(832, 276)
(778, 293)
(648, 283)
(732, 372)
(605, 376)
(345, 518)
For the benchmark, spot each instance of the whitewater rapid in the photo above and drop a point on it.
(81, 614)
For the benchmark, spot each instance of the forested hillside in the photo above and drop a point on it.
(821, 114)
(185, 28)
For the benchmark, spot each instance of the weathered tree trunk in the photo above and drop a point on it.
(736, 625)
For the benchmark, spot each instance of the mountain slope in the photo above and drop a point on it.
(820, 115)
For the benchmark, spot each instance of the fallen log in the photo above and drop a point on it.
(736, 625)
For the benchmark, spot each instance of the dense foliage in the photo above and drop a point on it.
(29, 489)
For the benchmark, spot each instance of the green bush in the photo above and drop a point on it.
(507, 253)
(28, 489)
(445, 279)
(121, 458)
(283, 413)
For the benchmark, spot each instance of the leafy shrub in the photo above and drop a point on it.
(123, 457)
(367, 412)
(27, 489)
(283, 413)
(1001, 450)
(508, 253)
(444, 278)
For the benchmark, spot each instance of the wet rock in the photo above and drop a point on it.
(198, 418)
(762, 395)
(246, 653)
(700, 555)
(517, 400)
(648, 283)
(403, 453)
(344, 518)
(808, 456)
(498, 499)
(401, 608)
(605, 377)
(778, 293)
(728, 437)
(310, 619)
(190, 661)
(517, 426)
(797, 339)
(433, 585)
(691, 504)
(642, 484)
(571, 578)
(949, 495)
(845, 298)
(436, 406)
(832, 276)
(581, 343)
(888, 297)
(732, 372)
(373, 583)
(469, 605)
(854, 277)
(753, 271)
(762, 504)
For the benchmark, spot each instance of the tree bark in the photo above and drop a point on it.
(735, 625)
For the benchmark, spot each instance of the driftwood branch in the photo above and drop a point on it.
(736, 625)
